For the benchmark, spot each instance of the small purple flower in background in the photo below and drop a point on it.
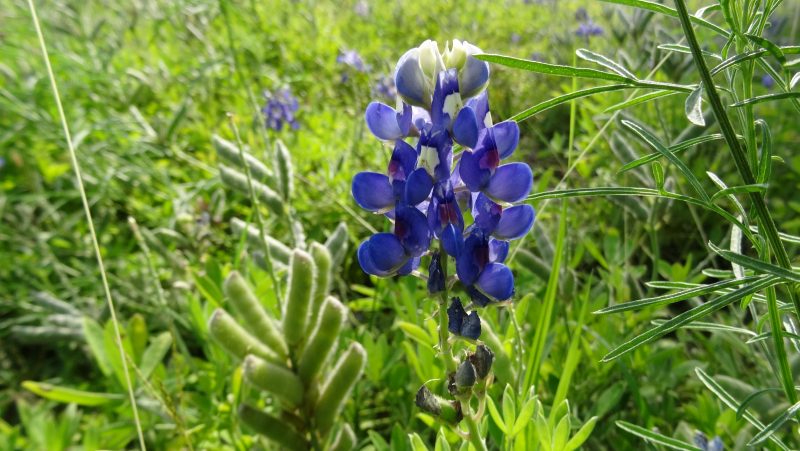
(280, 109)
(767, 81)
(586, 28)
(361, 8)
(537, 56)
(352, 59)
(384, 88)
(2, 162)
(515, 38)
(701, 441)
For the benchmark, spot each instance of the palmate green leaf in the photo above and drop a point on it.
(546, 105)
(767, 98)
(733, 404)
(675, 297)
(756, 265)
(675, 149)
(70, 395)
(775, 425)
(655, 437)
(689, 316)
(651, 140)
(551, 69)
(666, 10)
(604, 61)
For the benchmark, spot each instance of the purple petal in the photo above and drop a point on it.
(496, 281)
(480, 105)
(455, 316)
(409, 267)
(515, 222)
(403, 161)
(372, 191)
(506, 136)
(452, 240)
(418, 186)
(411, 228)
(446, 100)
(471, 327)
(486, 213)
(510, 182)
(498, 250)
(465, 128)
(382, 121)
(473, 77)
(472, 259)
(475, 177)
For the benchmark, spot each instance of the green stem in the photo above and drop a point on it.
(740, 159)
(444, 333)
(474, 434)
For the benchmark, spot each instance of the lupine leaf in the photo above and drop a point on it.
(756, 188)
(662, 9)
(580, 437)
(655, 437)
(495, 414)
(546, 105)
(604, 61)
(775, 424)
(767, 44)
(551, 69)
(767, 98)
(639, 100)
(689, 316)
(756, 265)
(681, 146)
(694, 107)
(685, 49)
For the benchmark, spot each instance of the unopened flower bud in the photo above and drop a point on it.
(482, 360)
(439, 407)
(465, 375)
(435, 274)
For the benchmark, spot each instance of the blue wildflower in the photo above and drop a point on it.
(352, 59)
(701, 441)
(384, 88)
(587, 27)
(280, 109)
(361, 8)
(442, 100)
(2, 162)
(581, 15)
(767, 81)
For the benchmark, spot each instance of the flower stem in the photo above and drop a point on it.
(474, 435)
(444, 343)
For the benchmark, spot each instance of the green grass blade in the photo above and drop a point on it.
(655, 437)
(689, 316)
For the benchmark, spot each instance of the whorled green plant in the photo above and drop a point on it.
(288, 358)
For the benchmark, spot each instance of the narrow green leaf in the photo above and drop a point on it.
(733, 404)
(752, 397)
(655, 437)
(675, 297)
(658, 175)
(155, 353)
(678, 48)
(795, 80)
(604, 61)
(666, 10)
(710, 327)
(546, 105)
(767, 44)
(675, 149)
(756, 265)
(775, 425)
(657, 145)
(694, 107)
(524, 417)
(551, 69)
(582, 435)
(756, 188)
(416, 333)
(639, 100)
(767, 98)
(689, 316)
(70, 395)
(495, 414)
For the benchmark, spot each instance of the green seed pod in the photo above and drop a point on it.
(229, 152)
(345, 440)
(439, 407)
(279, 252)
(324, 262)
(275, 379)
(465, 375)
(234, 339)
(337, 243)
(325, 333)
(337, 388)
(298, 297)
(252, 313)
(238, 181)
(284, 170)
(272, 428)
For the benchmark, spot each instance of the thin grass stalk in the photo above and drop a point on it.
(757, 199)
(90, 222)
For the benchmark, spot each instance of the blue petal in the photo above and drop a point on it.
(403, 161)
(496, 281)
(515, 222)
(420, 118)
(372, 191)
(471, 327)
(477, 297)
(480, 104)
(381, 255)
(446, 100)
(418, 186)
(455, 316)
(472, 259)
(409, 267)
(486, 213)
(452, 240)
(411, 228)
(465, 128)
(498, 250)
(510, 182)
(473, 77)
(382, 121)
(506, 136)
(472, 174)
(410, 80)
